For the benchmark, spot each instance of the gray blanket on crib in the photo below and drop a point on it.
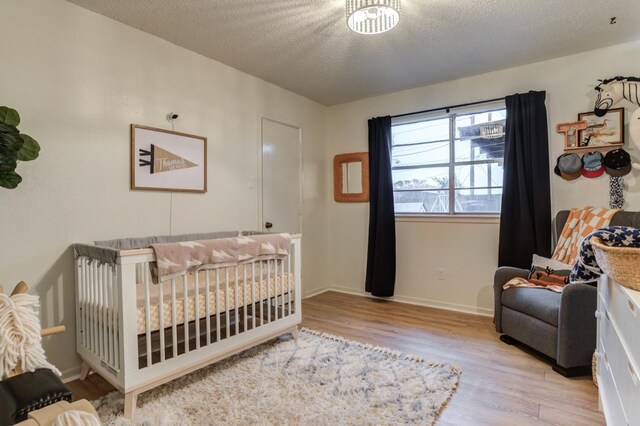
(144, 242)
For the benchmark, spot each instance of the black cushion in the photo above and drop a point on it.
(31, 391)
(7, 407)
(539, 303)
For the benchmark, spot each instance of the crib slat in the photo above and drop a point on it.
(112, 354)
(289, 277)
(98, 312)
(185, 309)
(207, 293)
(197, 299)
(88, 307)
(253, 294)
(217, 305)
(101, 338)
(261, 296)
(106, 307)
(83, 299)
(94, 297)
(161, 319)
(105, 310)
(280, 267)
(174, 329)
(268, 291)
(236, 290)
(147, 310)
(275, 288)
(116, 315)
(226, 299)
(244, 295)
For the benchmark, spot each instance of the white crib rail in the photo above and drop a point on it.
(97, 311)
(110, 340)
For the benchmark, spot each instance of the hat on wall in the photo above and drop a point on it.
(592, 166)
(556, 169)
(569, 166)
(617, 162)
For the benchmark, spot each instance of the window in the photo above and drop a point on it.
(449, 164)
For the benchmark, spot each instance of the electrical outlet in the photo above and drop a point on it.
(440, 274)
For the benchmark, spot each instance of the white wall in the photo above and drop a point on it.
(78, 80)
(468, 251)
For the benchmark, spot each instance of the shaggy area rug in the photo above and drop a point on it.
(317, 380)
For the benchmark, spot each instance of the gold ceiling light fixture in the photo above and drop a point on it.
(372, 16)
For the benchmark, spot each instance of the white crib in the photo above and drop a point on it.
(138, 335)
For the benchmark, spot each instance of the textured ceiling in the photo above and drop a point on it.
(306, 47)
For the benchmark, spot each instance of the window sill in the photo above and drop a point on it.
(480, 219)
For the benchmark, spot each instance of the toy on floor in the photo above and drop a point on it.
(20, 333)
(30, 390)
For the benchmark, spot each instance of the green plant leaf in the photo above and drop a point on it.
(9, 116)
(8, 162)
(8, 128)
(10, 142)
(9, 180)
(29, 150)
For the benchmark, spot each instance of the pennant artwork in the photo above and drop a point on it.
(164, 160)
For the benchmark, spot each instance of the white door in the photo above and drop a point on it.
(281, 177)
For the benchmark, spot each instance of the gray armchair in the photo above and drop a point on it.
(559, 325)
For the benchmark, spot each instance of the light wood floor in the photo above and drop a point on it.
(500, 384)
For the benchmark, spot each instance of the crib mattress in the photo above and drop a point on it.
(264, 290)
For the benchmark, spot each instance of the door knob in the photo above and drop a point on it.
(268, 225)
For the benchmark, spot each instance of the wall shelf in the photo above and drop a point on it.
(601, 148)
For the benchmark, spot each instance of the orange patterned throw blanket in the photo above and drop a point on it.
(173, 259)
(579, 224)
(553, 274)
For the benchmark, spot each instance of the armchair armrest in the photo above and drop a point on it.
(577, 325)
(502, 275)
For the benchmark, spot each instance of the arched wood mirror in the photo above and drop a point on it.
(351, 177)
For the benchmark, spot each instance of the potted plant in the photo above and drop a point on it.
(14, 147)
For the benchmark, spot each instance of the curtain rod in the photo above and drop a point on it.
(424, 111)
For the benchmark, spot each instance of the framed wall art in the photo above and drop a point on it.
(602, 132)
(164, 160)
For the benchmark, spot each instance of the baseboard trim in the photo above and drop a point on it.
(70, 374)
(316, 292)
(466, 309)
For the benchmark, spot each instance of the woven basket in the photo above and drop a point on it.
(620, 263)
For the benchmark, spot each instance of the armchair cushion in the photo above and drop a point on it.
(502, 275)
(539, 303)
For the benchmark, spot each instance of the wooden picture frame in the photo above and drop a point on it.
(341, 162)
(164, 160)
(602, 132)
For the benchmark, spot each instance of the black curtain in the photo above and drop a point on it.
(525, 219)
(381, 254)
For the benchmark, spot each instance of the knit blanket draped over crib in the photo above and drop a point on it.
(174, 259)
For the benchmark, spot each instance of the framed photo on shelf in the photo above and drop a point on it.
(164, 160)
(602, 132)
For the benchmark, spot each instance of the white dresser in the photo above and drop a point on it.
(618, 353)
